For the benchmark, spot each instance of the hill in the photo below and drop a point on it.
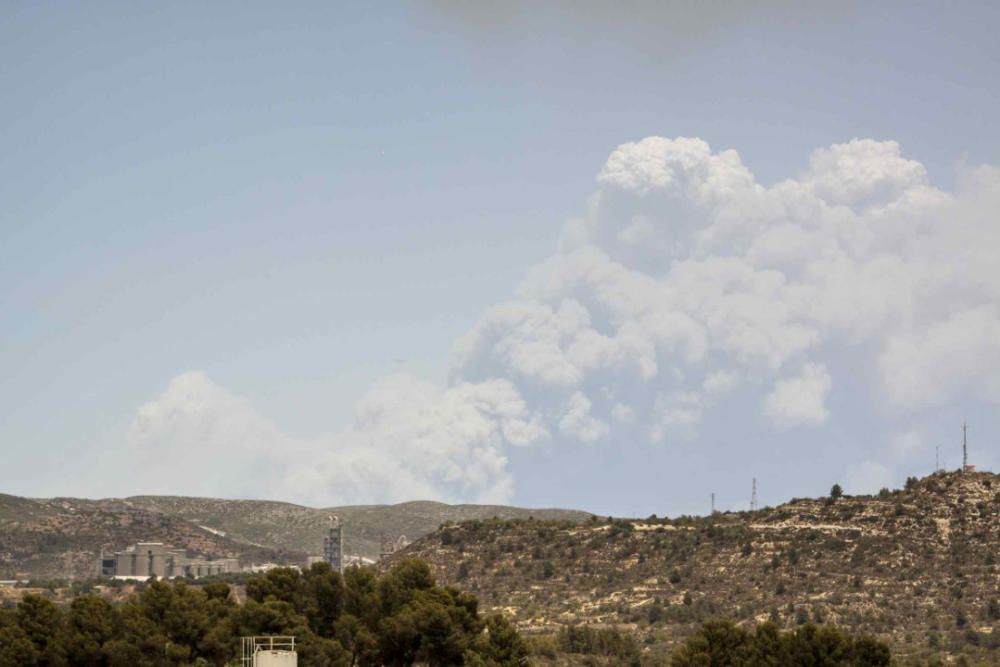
(917, 567)
(60, 537)
(300, 528)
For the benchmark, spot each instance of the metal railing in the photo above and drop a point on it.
(253, 645)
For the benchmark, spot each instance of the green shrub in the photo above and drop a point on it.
(723, 644)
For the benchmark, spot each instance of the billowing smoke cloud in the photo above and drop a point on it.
(409, 440)
(684, 282)
(686, 278)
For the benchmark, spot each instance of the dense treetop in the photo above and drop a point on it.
(723, 644)
(400, 618)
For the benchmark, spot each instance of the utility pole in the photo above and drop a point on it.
(753, 497)
(713, 502)
(937, 458)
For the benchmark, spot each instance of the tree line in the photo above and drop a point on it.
(358, 619)
(721, 643)
(361, 619)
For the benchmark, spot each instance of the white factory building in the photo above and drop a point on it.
(155, 559)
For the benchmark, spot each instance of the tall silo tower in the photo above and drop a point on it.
(333, 545)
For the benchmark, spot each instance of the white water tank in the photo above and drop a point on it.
(269, 651)
(276, 659)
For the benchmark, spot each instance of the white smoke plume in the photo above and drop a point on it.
(684, 282)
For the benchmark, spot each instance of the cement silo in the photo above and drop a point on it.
(177, 560)
(150, 559)
(333, 545)
(125, 563)
(158, 563)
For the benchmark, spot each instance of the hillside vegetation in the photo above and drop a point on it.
(299, 528)
(60, 537)
(916, 567)
(360, 619)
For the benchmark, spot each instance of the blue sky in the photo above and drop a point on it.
(291, 204)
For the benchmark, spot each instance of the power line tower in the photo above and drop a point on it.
(753, 497)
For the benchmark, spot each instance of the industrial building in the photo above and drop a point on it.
(155, 559)
(333, 549)
(390, 547)
(333, 545)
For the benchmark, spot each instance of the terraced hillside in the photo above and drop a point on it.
(916, 567)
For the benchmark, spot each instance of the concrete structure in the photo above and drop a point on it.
(390, 547)
(360, 561)
(333, 545)
(155, 559)
(230, 564)
(269, 652)
(267, 567)
(106, 565)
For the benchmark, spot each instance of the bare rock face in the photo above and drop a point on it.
(916, 567)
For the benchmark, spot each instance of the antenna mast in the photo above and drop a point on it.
(965, 449)
(753, 498)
